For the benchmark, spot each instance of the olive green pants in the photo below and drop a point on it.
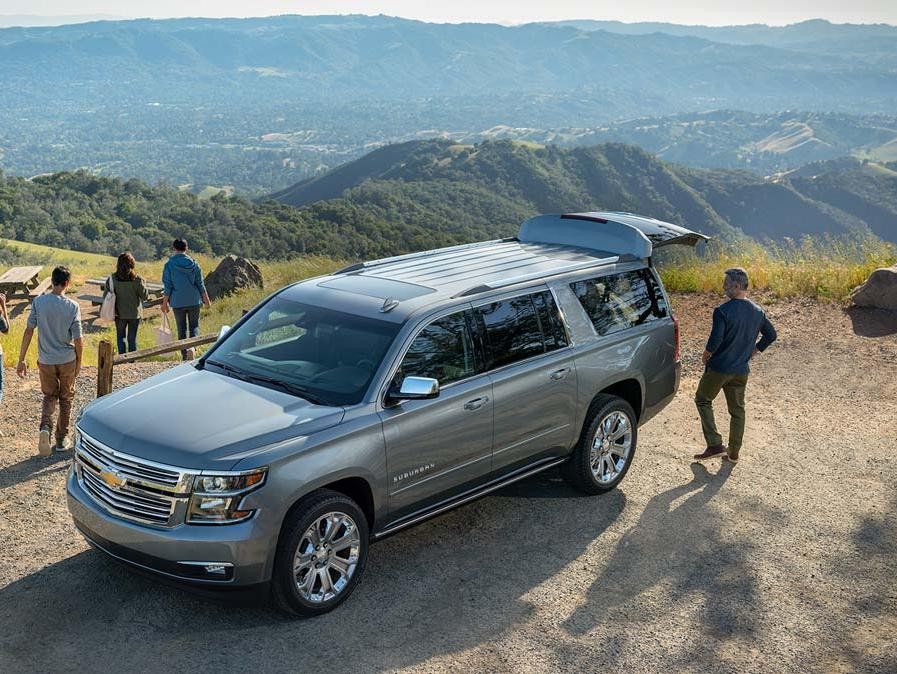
(732, 385)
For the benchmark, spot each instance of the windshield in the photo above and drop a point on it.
(325, 356)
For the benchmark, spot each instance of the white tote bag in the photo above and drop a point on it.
(107, 309)
(163, 332)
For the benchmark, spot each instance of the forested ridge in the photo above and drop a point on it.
(425, 194)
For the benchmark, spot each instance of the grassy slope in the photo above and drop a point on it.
(816, 268)
(90, 265)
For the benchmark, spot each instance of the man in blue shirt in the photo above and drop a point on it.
(732, 343)
(57, 320)
(185, 291)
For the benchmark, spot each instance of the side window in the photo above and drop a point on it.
(617, 301)
(550, 320)
(512, 331)
(443, 350)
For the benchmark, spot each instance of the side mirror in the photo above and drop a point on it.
(416, 388)
(223, 331)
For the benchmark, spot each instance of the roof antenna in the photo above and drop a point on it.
(388, 305)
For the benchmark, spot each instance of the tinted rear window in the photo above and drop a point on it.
(619, 301)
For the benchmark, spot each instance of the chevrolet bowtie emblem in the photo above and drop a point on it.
(112, 479)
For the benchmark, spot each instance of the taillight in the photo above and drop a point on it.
(678, 354)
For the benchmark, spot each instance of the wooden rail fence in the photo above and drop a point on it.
(107, 358)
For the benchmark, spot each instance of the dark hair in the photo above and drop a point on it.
(738, 276)
(124, 270)
(61, 275)
(180, 245)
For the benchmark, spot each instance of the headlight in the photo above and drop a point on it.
(217, 498)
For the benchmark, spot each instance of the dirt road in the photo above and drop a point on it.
(786, 563)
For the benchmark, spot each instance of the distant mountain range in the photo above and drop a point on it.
(256, 104)
(765, 143)
(817, 36)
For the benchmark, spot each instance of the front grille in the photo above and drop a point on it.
(143, 506)
(136, 470)
(130, 487)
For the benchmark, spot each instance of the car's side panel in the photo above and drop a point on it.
(643, 353)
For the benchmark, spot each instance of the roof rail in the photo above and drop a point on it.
(361, 266)
(532, 276)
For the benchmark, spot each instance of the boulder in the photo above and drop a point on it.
(233, 273)
(879, 290)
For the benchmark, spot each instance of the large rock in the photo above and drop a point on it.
(879, 290)
(233, 273)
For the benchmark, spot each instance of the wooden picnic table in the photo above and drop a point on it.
(153, 289)
(23, 283)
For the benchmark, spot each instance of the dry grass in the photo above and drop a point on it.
(821, 268)
(826, 269)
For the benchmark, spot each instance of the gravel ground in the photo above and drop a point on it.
(785, 563)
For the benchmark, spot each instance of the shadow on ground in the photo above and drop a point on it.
(676, 544)
(444, 587)
(448, 585)
(33, 467)
(865, 636)
(872, 322)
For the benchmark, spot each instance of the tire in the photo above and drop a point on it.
(300, 586)
(611, 458)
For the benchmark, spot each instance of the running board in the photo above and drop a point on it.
(488, 489)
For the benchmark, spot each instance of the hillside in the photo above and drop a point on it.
(424, 194)
(259, 104)
(765, 143)
(516, 179)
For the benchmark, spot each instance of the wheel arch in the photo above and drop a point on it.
(630, 390)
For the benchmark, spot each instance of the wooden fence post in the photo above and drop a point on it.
(104, 368)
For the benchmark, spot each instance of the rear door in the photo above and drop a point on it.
(622, 234)
(533, 378)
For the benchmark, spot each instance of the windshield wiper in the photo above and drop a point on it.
(230, 369)
(294, 389)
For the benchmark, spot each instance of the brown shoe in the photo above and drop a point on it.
(711, 452)
(732, 456)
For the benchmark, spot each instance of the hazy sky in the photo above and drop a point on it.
(707, 12)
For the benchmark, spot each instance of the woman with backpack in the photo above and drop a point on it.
(130, 294)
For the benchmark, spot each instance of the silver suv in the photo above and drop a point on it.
(347, 407)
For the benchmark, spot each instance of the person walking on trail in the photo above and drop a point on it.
(4, 328)
(130, 294)
(732, 343)
(58, 323)
(184, 291)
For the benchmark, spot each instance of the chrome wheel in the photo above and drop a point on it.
(610, 447)
(326, 557)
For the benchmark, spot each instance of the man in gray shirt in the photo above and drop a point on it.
(58, 323)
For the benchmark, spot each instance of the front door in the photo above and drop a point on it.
(437, 448)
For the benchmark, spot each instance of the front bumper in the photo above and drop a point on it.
(237, 554)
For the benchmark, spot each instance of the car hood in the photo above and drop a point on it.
(200, 419)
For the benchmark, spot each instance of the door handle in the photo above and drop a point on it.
(560, 374)
(476, 403)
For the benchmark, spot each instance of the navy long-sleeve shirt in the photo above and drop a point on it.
(733, 338)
